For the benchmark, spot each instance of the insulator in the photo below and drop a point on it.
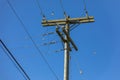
(81, 72)
(50, 33)
(59, 50)
(52, 13)
(49, 43)
(44, 18)
(52, 42)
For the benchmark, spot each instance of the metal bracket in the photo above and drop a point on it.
(70, 40)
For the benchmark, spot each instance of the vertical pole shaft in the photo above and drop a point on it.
(66, 62)
(66, 55)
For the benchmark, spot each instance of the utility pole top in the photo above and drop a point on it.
(66, 37)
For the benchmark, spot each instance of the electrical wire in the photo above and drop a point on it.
(74, 26)
(41, 11)
(85, 8)
(24, 27)
(62, 8)
(75, 58)
(12, 58)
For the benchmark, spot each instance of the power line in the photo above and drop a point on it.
(12, 58)
(75, 58)
(41, 11)
(61, 4)
(74, 26)
(24, 27)
(85, 8)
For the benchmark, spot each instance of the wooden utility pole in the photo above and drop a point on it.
(66, 37)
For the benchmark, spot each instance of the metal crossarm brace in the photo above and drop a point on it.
(60, 35)
(71, 41)
(64, 40)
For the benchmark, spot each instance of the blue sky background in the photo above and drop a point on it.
(98, 43)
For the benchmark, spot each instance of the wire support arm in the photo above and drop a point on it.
(70, 20)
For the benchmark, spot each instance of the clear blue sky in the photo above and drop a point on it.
(101, 37)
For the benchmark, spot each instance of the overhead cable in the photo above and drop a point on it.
(85, 8)
(61, 4)
(41, 11)
(12, 58)
(35, 45)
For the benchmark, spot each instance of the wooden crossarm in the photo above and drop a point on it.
(69, 20)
